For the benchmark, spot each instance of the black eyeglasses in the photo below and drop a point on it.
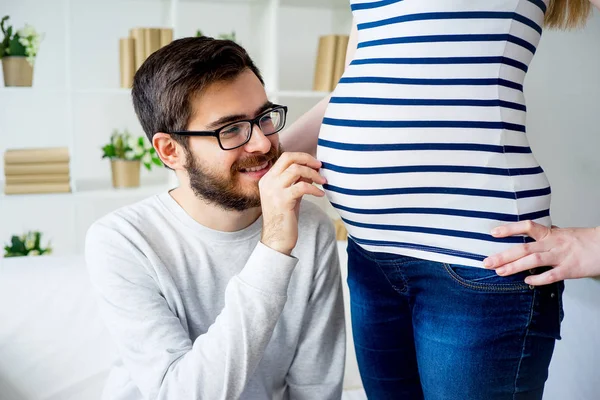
(238, 133)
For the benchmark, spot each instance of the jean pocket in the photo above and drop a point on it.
(486, 280)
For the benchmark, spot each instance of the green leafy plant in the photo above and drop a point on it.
(223, 36)
(24, 42)
(228, 36)
(28, 244)
(124, 146)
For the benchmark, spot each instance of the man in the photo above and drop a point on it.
(226, 287)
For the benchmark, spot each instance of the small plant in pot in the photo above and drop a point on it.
(29, 244)
(223, 36)
(18, 51)
(127, 153)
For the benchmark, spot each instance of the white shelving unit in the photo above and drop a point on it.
(76, 100)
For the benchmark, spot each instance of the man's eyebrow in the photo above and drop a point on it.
(237, 117)
(264, 108)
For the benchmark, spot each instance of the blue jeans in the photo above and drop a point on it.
(427, 330)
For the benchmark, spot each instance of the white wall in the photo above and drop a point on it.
(563, 98)
(562, 90)
(300, 31)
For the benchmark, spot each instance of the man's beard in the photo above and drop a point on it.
(227, 192)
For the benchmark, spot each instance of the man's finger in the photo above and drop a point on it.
(528, 262)
(296, 172)
(289, 158)
(300, 189)
(528, 228)
(548, 277)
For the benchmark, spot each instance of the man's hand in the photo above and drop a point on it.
(281, 190)
(572, 253)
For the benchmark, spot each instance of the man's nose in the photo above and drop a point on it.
(258, 142)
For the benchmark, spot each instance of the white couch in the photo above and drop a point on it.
(53, 345)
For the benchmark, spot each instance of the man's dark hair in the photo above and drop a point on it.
(167, 81)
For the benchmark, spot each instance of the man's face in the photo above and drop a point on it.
(229, 178)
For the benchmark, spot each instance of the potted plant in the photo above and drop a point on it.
(126, 154)
(223, 36)
(18, 52)
(28, 244)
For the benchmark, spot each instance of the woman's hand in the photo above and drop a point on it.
(571, 252)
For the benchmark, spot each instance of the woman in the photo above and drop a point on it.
(424, 149)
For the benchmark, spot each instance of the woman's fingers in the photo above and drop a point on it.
(528, 262)
(529, 228)
(546, 278)
(513, 254)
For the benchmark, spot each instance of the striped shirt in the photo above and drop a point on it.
(424, 144)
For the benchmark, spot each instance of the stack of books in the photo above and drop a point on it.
(37, 170)
(134, 50)
(331, 62)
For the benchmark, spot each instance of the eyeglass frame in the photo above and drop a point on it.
(253, 121)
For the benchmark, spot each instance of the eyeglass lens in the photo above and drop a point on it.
(237, 134)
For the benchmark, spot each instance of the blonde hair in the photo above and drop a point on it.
(565, 14)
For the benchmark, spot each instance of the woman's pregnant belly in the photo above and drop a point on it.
(430, 176)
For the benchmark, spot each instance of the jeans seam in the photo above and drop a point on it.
(363, 253)
(448, 252)
(561, 310)
(485, 287)
(404, 283)
(533, 298)
(366, 254)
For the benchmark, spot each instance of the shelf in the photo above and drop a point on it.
(103, 91)
(36, 90)
(125, 91)
(316, 3)
(115, 2)
(104, 189)
(283, 3)
(95, 190)
(32, 90)
(4, 198)
(225, 1)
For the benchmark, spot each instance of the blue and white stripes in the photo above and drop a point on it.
(424, 141)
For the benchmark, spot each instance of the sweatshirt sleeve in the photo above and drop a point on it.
(156, 350)
(317, 371)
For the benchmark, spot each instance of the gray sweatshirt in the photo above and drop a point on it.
(201, 314)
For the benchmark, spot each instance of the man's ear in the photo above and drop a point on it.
(170, 152)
